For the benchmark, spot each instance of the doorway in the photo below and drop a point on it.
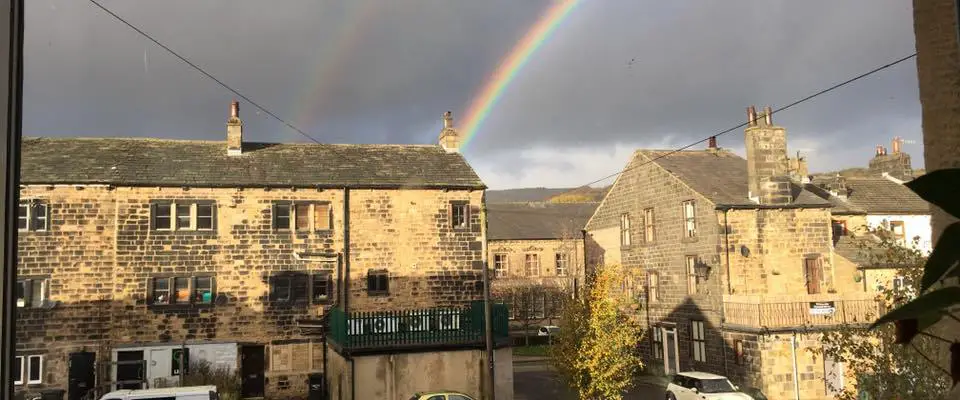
(130, 370)
(671, 357)
(251, 368)
(81, 374)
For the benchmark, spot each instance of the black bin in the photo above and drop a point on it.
(52, 394)
(318, 387)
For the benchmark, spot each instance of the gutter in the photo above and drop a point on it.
(724, 207)
(583, 235)
(106, 183)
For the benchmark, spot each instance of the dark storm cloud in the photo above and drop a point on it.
(353, 72)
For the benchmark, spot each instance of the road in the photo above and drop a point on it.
(535, 381)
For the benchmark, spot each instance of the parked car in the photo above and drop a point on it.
(548, 330)
(179, 393)
(703, 385)
(441, 395)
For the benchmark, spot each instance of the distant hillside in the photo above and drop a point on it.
(558, 195)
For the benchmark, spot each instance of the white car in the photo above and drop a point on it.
(703, 385)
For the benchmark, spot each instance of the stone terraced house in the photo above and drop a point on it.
(537, 244)
(135, 254)
(732, 263)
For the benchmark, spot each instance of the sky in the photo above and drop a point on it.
(612, 77)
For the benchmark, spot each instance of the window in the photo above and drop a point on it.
(699, 344)
(658, 343)
(183, 215)
(813, 273)
(304, 216)
(456, 397)
(32, 293)
(648, 231)
(689, 219)
(460, 215)
(625, 230)
(738, 352)
(896, 228)
(692, 278)
(839, 228)
(500, 265)
(532, 264)
(898, 283)
(18, 370)
(654, 287)
(378, 283)
(33, 215)
(181, 290)
(539, 305)
(563, 263)
(321, 288)
(281, 288)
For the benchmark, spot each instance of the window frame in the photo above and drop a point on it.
(738, 352)
(377, 277)
(561, 263)
(649, 227)
(653, 286)
(693, 281)
(501, 264)
(28, 291)
(902, 236)
(293, 209)
(328, 278)
(689, 221)
(174, 217)
(657, 342)
(465, 207)
(30, 358)
(192, 288)
(22, 360)
(626, 236)
(527, 257)
(698, 341)
(33, 215)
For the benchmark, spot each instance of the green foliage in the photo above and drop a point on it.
(882, 368)
(574, 198)
(530, 303)
(596, 349)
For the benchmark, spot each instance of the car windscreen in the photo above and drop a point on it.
(714, 386)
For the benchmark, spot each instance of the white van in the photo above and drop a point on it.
(179, 393)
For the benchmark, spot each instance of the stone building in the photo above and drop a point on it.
(896, 164)
(732, 261)
(537, 245)
(135, 251)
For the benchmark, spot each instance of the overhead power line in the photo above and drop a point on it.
(741, 125)
(204, 72)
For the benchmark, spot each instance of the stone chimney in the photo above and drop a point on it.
(768, 168)
(449, 137)
(897, 163)
(234, 131)
(712, 144)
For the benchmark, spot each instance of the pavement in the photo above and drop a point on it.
(534, 379)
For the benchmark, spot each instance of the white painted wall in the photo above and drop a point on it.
(913, 226)
(159, 358)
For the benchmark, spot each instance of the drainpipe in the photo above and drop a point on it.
(723, 318)
(346, 250)
(796, 379)
(583, 234)
(490, 382)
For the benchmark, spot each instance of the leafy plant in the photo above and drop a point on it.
(596, 349)
(881, 368)
(936, 300)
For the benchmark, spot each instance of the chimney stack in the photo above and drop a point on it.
(234, 131)
(751, 116)
(897, 142)
(768, 167)
(712, 143)
(449, 137)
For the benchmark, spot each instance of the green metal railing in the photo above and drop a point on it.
(433, 326)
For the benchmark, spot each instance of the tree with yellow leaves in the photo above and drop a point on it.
(596, 349)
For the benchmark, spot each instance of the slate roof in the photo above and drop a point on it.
(883, 196)
(529, 221)
(719, 176)
(840, 206)
(196, 163)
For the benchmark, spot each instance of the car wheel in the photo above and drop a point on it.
(670, 396)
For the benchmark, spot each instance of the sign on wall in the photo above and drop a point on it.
(177, 354)
(822, 307)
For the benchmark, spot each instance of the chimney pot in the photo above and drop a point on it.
(234, 130)
(896, 145)
(768, 115)
(751, 116)
(447, 120)
(712, 142)
(235, 109)
(449, 137)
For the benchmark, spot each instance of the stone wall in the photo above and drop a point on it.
(100, 255)
(516, 251)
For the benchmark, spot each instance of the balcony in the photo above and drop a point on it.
(416, 328)
(801, 313)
